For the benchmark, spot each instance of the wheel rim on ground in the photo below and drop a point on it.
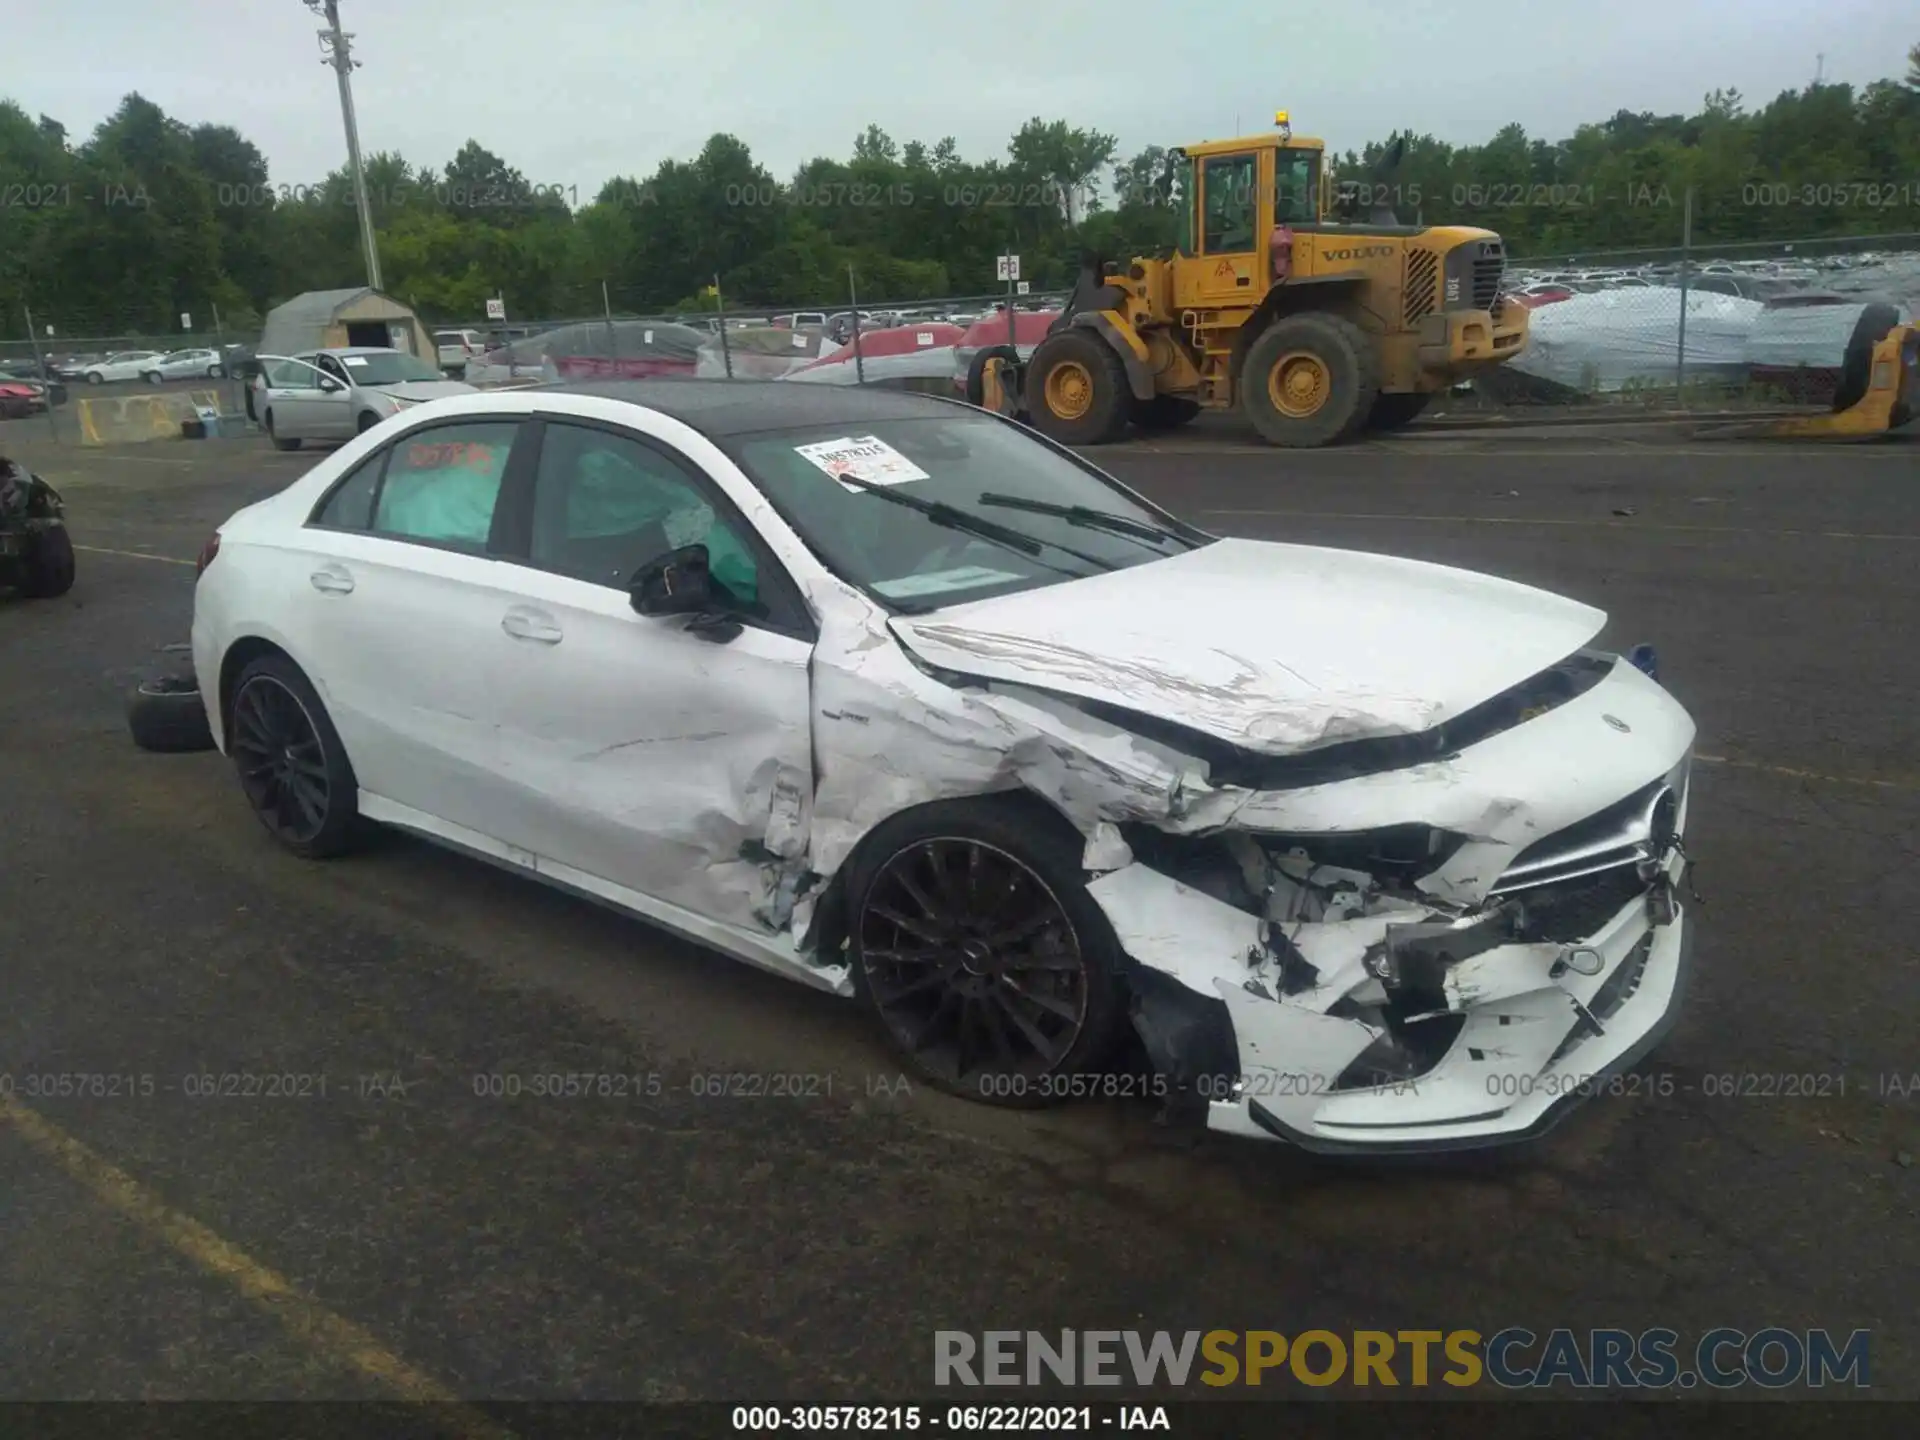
(972, 961)
(282, 764)
(1299, 384)
(1069, 390)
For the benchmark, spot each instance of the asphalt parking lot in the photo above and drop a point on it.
(391, 1231)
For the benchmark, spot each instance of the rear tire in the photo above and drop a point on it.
(152, 377)
(1396, 412)
(1076, 389)
(1309, 380)
(278, 443)
(47, 567)
(1164, 412)
(293, 769)
(1006, 978)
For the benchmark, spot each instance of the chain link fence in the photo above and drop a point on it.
(1722, 325)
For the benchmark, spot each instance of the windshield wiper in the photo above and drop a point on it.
(943, 514)
(1089, 518)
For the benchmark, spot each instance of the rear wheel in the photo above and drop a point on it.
(1309, 380)
(152, 377)
(291, 763)
(1076, 389)
(1164, 412)
(47, 567)
(973, 939)
(1394, 412)
(278, 443)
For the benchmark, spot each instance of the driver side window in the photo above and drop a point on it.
(604, 505)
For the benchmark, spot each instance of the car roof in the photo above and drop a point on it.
(741, 407)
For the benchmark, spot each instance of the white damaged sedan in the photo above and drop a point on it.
(888, 695)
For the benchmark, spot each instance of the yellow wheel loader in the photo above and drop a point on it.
(1276, 302)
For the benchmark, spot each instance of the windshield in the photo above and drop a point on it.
(391, 369)
(912, 560)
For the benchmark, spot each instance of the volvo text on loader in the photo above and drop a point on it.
(1314, 325)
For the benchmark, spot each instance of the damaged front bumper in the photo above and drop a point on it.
(1469, 1001)
(1526, 1031)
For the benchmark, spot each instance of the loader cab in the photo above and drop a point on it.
(1232, 193)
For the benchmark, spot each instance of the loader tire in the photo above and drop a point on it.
(1396, 412)
(47, 567)
(1164, 412)
(1309, 380)
(1856, 364)
(1076, 390)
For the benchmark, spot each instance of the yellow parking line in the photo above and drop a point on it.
(1808, 774)
(134, 555)
(307, 1320)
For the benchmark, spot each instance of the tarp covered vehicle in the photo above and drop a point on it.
(36, 555)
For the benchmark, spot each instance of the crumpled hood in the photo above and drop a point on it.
(1275, 648)
(418, 390)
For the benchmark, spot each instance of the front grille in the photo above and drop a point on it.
(1489, 270)
(1422, 271)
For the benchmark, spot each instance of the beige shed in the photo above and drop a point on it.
(323, 319)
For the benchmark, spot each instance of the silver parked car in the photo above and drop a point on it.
(337, 394)
(185, 365)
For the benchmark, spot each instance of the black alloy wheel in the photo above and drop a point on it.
(973, 963)
(282, 761)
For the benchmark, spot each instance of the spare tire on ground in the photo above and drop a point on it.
(165, 716)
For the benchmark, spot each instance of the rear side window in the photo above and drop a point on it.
(442, 482)
(350, 506)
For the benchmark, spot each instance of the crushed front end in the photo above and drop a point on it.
(1443, 954)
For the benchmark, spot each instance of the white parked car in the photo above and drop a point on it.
(456, 347)
(122, 365)
(185, 365)
(337, 394)
(887, 695)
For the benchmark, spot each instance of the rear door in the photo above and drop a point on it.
(645, 754)
(399, 601)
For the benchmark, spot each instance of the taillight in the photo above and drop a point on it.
(207, 552)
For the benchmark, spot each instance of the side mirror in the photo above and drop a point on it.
(676, 584)
(679, 583)
(330, 387)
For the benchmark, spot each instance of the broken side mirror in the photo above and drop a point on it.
(679, 583)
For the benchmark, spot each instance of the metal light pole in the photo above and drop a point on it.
(336, 49)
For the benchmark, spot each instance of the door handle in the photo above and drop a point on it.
(525, 623)
(332, 580)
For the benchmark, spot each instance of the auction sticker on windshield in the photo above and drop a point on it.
(866, 456)
(354, 360)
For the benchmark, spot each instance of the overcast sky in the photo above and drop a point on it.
(571, 92)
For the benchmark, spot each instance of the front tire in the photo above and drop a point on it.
(1076, 389)
(992, 972)
(47, 567)
(1309, 380)
(292, 766)
(94, 377)
(366, 422)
